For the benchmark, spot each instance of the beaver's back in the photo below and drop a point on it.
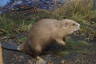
(43, 30)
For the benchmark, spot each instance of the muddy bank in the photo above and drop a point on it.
(11, 57)
(14, 57)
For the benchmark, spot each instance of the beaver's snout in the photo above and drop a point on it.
(78, 26)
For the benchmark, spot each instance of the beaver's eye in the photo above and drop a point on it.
(73, 24)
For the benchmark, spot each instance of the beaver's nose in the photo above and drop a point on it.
(78, 26)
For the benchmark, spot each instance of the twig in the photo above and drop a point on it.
(1, 55)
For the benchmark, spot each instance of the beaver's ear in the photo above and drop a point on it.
(63, 24)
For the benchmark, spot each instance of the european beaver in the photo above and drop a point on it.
(46, 30)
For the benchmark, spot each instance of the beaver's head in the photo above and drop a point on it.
(69, 26)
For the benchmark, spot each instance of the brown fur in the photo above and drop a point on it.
(45, 30)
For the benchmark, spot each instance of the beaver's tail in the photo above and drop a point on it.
(9, 46)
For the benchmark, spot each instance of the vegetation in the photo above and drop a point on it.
(81, 11)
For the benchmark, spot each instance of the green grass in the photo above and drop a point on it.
(74, 46)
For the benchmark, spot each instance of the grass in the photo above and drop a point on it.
(74, 46)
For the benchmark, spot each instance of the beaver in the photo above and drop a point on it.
(44, 31)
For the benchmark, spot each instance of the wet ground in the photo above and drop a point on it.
(11, 57)
(14, 57)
